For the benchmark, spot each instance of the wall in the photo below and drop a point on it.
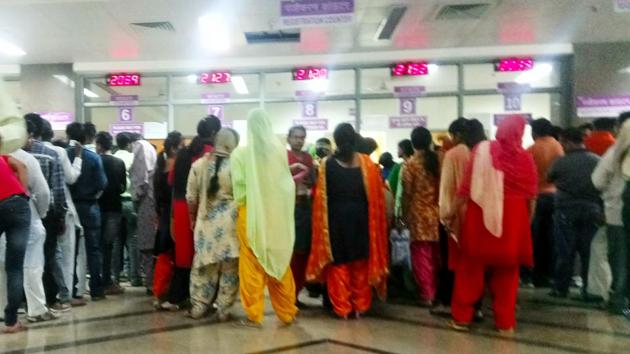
(41, 89)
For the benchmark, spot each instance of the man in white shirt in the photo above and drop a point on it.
(34, 258)
(130, 236)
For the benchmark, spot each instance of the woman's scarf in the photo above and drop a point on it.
(321, 252)
(225, 142)
(501, 167)
(12, 125)
(262, 181)
(621, 150)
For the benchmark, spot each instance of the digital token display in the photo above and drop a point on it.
(513, 64)
(124, 80)
(215, 77)
(410, 69)
(310, 73)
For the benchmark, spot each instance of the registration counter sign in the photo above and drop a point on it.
(305, 13)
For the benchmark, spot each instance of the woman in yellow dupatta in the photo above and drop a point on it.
(265, 193)
(349, 247)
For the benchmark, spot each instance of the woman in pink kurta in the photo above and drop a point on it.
(420, 178)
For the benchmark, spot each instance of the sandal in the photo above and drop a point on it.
(16, 328)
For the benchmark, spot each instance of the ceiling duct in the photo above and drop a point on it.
(272, 37)
(388, 25)
(158, 25)
(462, 11)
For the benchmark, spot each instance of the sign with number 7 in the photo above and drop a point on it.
(216, 110)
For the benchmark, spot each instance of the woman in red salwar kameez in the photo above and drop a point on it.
(499, 187)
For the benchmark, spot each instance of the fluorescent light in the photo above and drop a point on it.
(9, 49)
(539, 72)
(318, 85)
(192, 78)
(89, 93)
(214, 32)
(239, 85)
(433, 68)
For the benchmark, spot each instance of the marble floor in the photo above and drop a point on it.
(128, 324)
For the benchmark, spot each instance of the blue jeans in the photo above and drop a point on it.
(15, 222)
(111, 232)
(130, 240)
(574, 229)
(90, 217)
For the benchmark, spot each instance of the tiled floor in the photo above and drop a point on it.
(128, 324)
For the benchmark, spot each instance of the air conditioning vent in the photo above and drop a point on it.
(462, 11)
(272, 37)
(159, 26)
(388, 25)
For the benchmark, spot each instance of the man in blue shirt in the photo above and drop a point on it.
(85, 193)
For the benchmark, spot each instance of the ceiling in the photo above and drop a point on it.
(53, 31)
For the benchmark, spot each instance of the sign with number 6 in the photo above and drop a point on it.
(125, 114)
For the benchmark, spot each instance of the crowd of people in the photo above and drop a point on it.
(203, 223)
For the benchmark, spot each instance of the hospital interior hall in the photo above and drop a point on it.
(315, 176)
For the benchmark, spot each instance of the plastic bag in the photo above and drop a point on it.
(399, 244)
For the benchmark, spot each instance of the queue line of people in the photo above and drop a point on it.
(198, 225)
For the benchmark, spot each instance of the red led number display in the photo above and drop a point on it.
(514, 64)
(124, 80)
(410, 69)
(313, 73)
(215, 77)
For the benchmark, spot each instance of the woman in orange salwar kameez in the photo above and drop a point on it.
(349, 248)
(499, 187)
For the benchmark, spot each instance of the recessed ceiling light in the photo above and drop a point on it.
(9, 49)
(214, 32)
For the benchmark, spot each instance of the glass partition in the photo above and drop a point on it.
(240, 87)
(441, 78)
(282, 86)
(152, 89)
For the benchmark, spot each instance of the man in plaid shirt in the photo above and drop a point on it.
(55, 220)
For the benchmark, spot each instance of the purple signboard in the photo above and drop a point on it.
(215, 97)
(602, 106)
(216, 110)
(512, 87)
(622, 5)
(125, 114)
(499, 117)
(408, 106)
(512, 102)
(303, 13)
(58, 120)
(309, 109)
(312, 124)
(123, 100)
(117, 128)
(409, 91)
(308, 95)
(407, 122)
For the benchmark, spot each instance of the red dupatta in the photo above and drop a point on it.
(321, 251)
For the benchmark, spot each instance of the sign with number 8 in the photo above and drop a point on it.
(309, 109)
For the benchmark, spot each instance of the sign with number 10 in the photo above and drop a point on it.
(125, 114)
(216, 110)
(512, 102)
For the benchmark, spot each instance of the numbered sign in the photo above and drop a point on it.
(512, 102)
(125, 114)
(408, 106)
(216, 110)
(309, 109)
